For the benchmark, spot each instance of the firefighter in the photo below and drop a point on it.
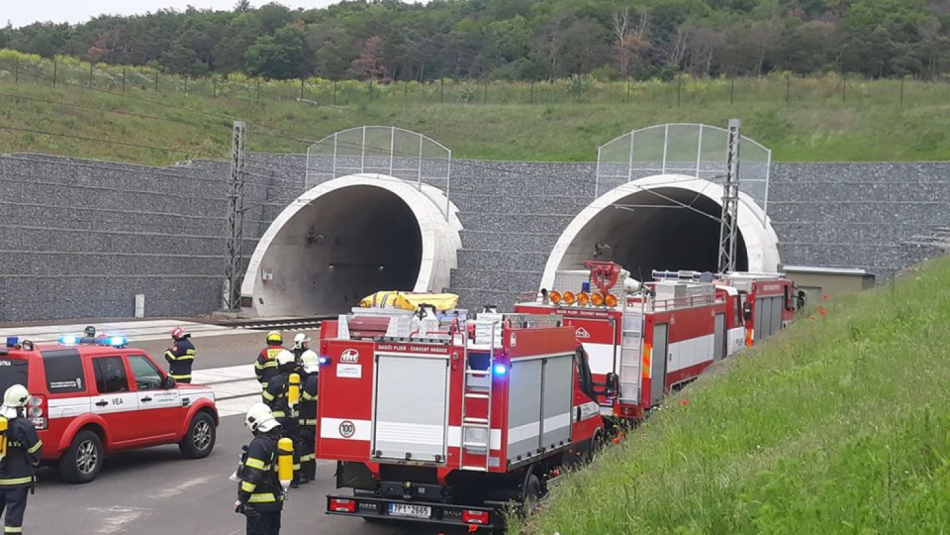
(276, 395)
(21, 453)
(300, 345)
(307, 432)
(180, 356)
(266, 366)
(260, 495)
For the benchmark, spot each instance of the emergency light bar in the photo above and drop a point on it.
(113, 341)
(12, 341)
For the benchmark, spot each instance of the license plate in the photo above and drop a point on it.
(418, 511)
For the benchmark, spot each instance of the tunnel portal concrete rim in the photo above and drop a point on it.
(760, 239)
(441, 239)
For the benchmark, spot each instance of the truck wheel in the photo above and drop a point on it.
(83, 460)
(531, 494)
(200, 438)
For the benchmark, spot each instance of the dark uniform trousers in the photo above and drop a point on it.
(268, 523)
(24, 450)
(307, 432)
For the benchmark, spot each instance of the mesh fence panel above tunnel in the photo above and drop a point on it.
(683, 149)
(382, 150)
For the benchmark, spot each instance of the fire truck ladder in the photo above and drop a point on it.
(479, 392)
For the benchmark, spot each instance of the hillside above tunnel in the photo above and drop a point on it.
(837, 425)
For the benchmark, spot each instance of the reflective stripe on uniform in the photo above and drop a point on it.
(307, 458)
(269, 397)
(247, 486)
(309, 421)
(36, 447)
(262, 498)
(254, 463)
(278, 414)
(16, 481)
(12, 529)
(307, 397)
(266, 364)
(173, 376)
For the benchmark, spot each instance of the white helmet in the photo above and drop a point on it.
(284, 357)
(310, 361)
(300, 339)
(260, 418)
(14, 398)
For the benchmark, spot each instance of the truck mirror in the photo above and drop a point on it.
(613, 384)
(168, 382)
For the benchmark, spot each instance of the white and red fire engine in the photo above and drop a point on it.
(442, 419)
(643, 340)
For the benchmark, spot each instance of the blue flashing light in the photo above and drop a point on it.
(12, 341)
(585, 286)
(500, 369)
(68, 340)
(117, 341)
(323, 360)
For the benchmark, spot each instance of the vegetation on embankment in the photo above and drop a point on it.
(839, 425)
(195, 120)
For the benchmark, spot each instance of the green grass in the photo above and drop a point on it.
(839, 425)
(800, 119)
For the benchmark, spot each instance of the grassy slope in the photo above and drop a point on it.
(840, 425)
(818, 127)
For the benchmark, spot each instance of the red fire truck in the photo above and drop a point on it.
(434, 417)
(645, 340)
(769, 302)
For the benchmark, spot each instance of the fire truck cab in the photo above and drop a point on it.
(438, 418)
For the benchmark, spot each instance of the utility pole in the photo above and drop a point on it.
(231, 297)
(729, 228)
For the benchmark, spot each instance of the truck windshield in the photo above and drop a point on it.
(13, 371)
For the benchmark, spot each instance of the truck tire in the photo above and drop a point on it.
(82, 461)
(200, 438)
(531, 494)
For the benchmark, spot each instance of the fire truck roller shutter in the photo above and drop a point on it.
(411, 408)
(348, 238)
(539, 408)
(643, 226)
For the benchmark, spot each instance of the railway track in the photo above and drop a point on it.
(264, 324)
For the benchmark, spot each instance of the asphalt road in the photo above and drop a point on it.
(156, 492)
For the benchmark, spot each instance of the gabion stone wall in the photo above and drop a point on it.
(80, 238)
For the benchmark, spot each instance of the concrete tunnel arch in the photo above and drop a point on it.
(347, 238)
(642, 238)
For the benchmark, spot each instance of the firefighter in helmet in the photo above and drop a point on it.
(276, 395)
(180, 356)
(260, 495)
(301, 344)
(265, 366)
(307, 432)
(20, 453)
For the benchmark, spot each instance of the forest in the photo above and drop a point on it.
(387, 40)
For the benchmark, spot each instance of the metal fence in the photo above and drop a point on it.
(696, 150)
(387, 152)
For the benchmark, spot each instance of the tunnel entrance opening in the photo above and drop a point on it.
(342, 246)
(643, 231)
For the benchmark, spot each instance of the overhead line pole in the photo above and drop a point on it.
(231, 298)
(729, 227)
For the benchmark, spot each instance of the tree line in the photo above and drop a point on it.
(387, 40)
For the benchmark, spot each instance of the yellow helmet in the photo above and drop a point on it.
(274, 337)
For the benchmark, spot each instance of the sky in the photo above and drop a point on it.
(23, 12)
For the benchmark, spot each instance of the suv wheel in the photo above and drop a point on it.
(83, 460)
(200, 438)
